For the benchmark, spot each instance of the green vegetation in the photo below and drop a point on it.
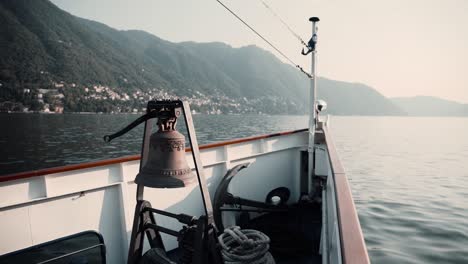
(51, 59)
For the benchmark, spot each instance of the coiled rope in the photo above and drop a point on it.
(241, 246)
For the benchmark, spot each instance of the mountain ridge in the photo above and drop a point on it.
(53, 59)
(430, 106)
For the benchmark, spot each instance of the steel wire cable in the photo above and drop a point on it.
(284, 23)
(266, 40)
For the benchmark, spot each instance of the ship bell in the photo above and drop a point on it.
(166, 166)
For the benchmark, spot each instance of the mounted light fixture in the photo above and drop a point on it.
(320, 105)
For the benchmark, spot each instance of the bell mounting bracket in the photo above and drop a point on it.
(167, 112)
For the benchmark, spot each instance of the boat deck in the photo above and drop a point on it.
(295, 234)
(105, 191)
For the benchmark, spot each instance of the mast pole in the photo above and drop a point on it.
(312, 98)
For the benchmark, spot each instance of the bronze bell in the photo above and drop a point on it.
(166, 166)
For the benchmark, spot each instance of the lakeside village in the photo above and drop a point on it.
(61, 97)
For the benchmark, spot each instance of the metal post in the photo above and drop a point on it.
(312, 94)
(198, 164)
(144, 154)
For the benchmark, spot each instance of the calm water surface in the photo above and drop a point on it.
(409, 176)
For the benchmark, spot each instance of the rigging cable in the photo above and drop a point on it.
(266, 40)
(284, 23)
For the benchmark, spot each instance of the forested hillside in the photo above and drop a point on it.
(51, 60)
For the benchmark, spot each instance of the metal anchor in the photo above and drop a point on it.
(310, 45)
(313, 41)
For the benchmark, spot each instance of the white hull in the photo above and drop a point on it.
(37, 209)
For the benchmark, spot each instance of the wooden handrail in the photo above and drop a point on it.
(41, 172)
(353, 247)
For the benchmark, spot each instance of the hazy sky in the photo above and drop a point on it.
(399, 47)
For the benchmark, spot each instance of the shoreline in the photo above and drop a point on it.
(233, 114)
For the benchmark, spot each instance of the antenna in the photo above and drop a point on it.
(312, 95)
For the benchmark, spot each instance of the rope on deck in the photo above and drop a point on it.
(245, 246)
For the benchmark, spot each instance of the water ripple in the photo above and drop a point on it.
(410, 188)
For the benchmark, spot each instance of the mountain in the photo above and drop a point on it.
(344, 98)
(50, 59)
(253, 68)
(430, 106)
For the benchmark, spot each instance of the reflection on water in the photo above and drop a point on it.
(409, 176)
(36, 141)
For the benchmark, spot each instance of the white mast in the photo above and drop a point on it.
(312, 94)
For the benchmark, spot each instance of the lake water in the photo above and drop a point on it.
(409, 176)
